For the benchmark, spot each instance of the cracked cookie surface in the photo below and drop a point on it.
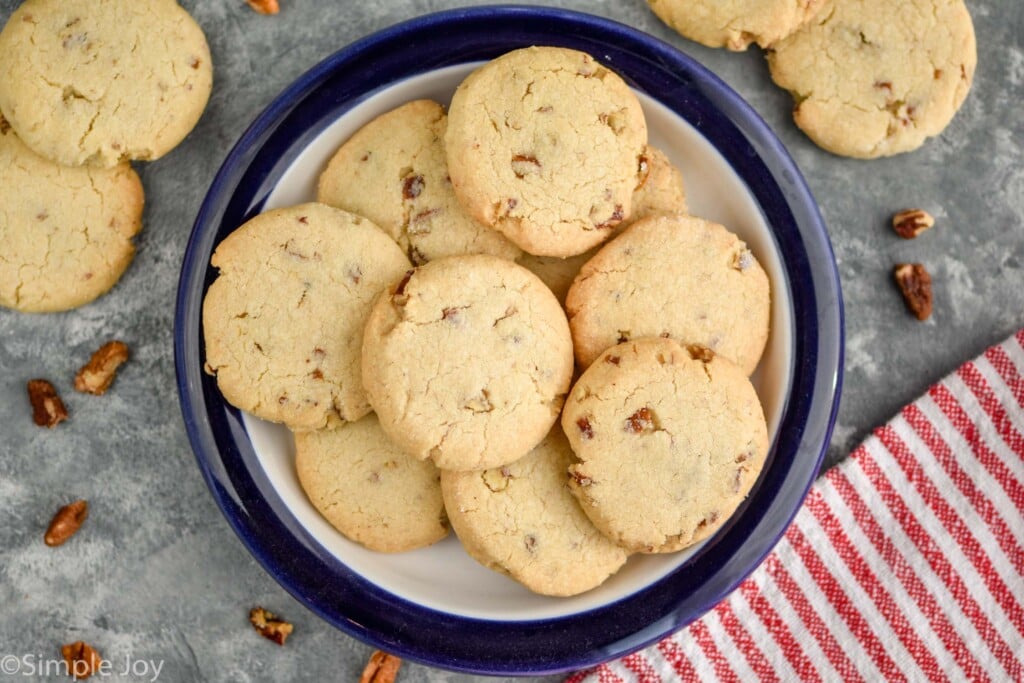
(467, 361)
(103, 81)
(735, 24)
(368, 489)
(67, 232)
(544, 144)
(670, 442)
(673, 276)
(873, 78)
(283, 321)
(393, 171)
(521, 520)
(661, 190)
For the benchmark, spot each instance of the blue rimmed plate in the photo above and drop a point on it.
(435, 605)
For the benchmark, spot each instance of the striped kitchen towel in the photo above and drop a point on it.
(906, 563)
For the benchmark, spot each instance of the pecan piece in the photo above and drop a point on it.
(640, 421)
(264, 6)
(910, 223)
(47, 408)
(412, 186)
(586, 431)
(66, 523)
(269, 626)
(524, 165)
(96, 376)
(382, 668)
(701, 353)
(82, 659)
(916, 286)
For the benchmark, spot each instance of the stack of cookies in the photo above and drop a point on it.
(87, 88)
(869, 78)
(420, 326)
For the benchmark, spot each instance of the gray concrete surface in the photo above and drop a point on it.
(157, 574)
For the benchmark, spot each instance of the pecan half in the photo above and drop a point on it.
(82, 659)
(66, 523)
(96, 376)
(382, 668)
(264, 6)
(269, 626)
(47, 408)
(910, 223)
(916, 286)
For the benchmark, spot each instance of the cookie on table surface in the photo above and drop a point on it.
(284, 319)
(103, 81)
(544, 144)
(735, 24)
(393, 171)
(661, 190)
(873, 78)
(672, 276)
(670, 442)
(521, 520)
(368, 489)
(466, 361)
(66, 232)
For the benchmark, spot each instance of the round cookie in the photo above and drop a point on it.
(368, 489)
(735, 24)
(467, 361)
(661, 190)
(103, 81)
(672, 276)
(544, 144)
(874, 78)
(66, 232)
(283, 321)
(393, 171)
(521, 520)
(670, 441)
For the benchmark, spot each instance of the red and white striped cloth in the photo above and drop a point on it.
(906, 563)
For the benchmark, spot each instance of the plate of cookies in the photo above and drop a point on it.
(509, 340)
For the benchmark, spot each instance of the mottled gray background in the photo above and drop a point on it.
(157, 573)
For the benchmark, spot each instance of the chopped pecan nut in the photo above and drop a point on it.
(66, 523)
(264, 6)
(586, 431)
(701, 353)
(4, 126)
(910, 223)
(269, 626)
(382, 668)
(82, 659)
(47, 408)
(412, 186)
(640, 421)
(96, 376)
(916, 286)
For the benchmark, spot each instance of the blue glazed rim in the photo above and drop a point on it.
(347, 600)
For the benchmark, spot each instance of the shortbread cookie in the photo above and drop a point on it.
(661, 190)
(874, 78)
(393, 171)
(544, 144)
(103, 81)
(467, 361)
(735, 24)
(672, 276)
(670, 441)
(368, 489)
(66, 232)
(521, 520)
(284, 319)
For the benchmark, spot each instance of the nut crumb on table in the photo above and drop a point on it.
(264, 6)
(382, 668)
(268, 625)
(47, 408)
(916, 286)
(910, 223)
(66, 523)
(96, 376)
(82, 659)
